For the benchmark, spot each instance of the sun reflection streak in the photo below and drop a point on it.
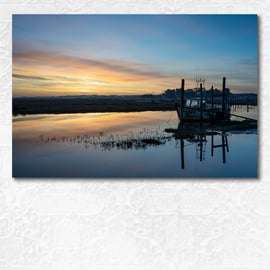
(92, 124)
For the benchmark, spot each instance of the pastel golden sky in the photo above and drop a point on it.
(56, 55)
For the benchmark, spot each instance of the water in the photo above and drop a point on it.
(243, 110)
(125, 145)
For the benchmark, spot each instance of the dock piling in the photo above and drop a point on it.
(212, 101)
(223, 97)
(201, 103)
(182, 96)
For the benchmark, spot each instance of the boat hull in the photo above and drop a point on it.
(190, 115)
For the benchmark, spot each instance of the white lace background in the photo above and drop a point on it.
(134, 224)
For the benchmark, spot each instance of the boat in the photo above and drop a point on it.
(198, 108)
(193, 111)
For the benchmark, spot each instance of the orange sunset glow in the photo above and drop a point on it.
(60, 74)
(56, 55)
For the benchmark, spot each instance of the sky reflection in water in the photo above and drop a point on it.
(70, 145)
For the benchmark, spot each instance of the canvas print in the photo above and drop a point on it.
(135, 96)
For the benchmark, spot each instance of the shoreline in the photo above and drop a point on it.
(95, 104)
(23, 106)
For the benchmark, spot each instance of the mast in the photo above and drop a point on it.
(200, 81)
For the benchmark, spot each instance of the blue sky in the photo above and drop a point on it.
(132, 54)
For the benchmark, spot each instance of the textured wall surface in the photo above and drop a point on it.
(134, 224)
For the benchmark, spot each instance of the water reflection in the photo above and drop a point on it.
(200, 141)
(224, 145)
(146, 144)
(188, 134)
(132, 141)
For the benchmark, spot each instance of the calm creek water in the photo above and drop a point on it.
(127, 145)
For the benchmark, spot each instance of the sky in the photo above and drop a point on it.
(55, 55)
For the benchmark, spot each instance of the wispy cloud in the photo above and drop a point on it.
(93, 65)
(131, 53)
(25, 77)
(64, 73)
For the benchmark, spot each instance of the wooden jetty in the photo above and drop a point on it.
(198, 109)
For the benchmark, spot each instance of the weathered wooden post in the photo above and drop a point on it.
(223, 97)
(212, 101)
(201, 105)
(182, 98)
